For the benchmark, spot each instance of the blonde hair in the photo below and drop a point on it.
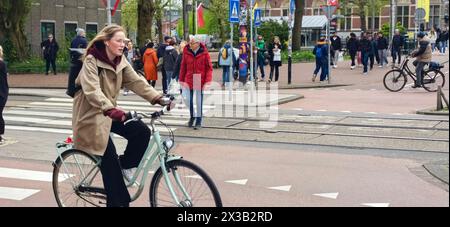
(1, 52)
(105, 34)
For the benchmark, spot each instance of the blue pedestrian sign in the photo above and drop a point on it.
(257, 17)
(234, 11)
(292, 6)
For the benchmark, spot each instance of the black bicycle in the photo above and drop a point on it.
(395, 80)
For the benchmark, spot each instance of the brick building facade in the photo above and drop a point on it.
(62, 17)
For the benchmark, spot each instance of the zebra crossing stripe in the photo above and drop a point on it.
(29, 175)
(16, 193)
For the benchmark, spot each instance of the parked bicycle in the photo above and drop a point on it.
(396, 79)
(77, 179)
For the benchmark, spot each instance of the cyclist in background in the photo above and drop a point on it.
(423, 57)
(95, 111)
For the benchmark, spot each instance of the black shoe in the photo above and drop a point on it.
(197, 127)
(417, 86)
(191, 122)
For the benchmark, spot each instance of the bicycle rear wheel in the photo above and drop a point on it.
(432, 79)
(394, 80)
(71, 176)
(201, 189)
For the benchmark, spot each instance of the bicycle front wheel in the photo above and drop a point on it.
(432, 79)
(77, 180)
(394, 80)
(201, 190)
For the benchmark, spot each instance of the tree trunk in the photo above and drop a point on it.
(297, 31)
(362, 15)
(159, 27)
(146, 10)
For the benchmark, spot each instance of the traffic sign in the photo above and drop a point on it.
(332, 2)
(420, 14)
(329, 10)
(234, 11)
(292, 6)
(257, 17)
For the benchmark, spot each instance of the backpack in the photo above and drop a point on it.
(319, 52)
(75, 69)
(224, 53)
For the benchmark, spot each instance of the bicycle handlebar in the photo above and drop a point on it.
(136, 116)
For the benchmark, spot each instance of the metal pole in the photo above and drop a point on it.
(194, 7)
(251, 39)
(328, 42)
(232, 51)
(373, 15)
(393, 19)
(170, 17)
(196, 18)
(290, 47)
(185, 21)
(108, 11)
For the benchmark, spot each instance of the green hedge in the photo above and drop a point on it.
(298, 56)
(36, 65)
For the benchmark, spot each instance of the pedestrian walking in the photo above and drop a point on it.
(433, 37)
(150, 60)
(50, 49)
(443, 38)
(352, 48)
(4, 90)
(396, 49)
(365, 48)
(226, 59)
(195, 72)
(373, 52)
(169, 61)
(321, 53)
(161, 51)
(382, 47)
(275, 58)
(176, 71)
(336, 47)
(77, 49)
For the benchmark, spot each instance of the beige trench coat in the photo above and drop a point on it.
(99, 93)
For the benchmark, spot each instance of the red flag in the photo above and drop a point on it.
(200, 21)
(115, 7)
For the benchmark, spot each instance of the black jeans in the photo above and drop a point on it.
(47, 65)
(396, 53)
(2, 121)
(164, 80)
(277, 72)
(353, 56)
(138, 136)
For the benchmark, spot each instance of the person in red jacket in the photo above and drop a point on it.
(195, 72)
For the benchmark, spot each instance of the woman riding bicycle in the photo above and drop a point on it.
(95, 112)
(423, 57)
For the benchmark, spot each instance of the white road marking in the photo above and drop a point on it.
(194, 176)
(16, 193)
(375, 204)
(241, 182)
(371, 112)
(332, 195)
(285, 188)
(321, 110)
(345, 111)
(29, 175)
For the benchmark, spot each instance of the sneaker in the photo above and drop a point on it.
(2, 141)
(380, 66)
(365, 74)
(197, 127)
(191, 122)
(352, 67)
(314, 77)
(128, 173)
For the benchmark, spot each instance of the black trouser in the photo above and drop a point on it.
(352, 56)
(277, 72)
(2, 121)
(164, 80)
(396, 53)
(49, 61)
(372, 60)
(138, 136)
(152, 82)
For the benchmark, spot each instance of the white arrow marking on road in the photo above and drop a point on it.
(241, 182)
(285, 188)
(16, 193)
(332, 195)
(375, 204)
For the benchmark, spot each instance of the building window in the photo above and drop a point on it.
(434, 16)
(267, 13)
(91, 31)
(316, 12)
(403, 16)
(346, 22)
(285, 12)
(70, 30)
(46, 29)
(375, 26)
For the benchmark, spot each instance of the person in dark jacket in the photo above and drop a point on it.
(50, 48)
(397, 44)
(4, 90)
(373, 50)
(352, 47)
(364, 46)
(275, 58)
(176, 70)
(443, 38)
(77, 48)
(170, 59)
(336, 47)
(321, 53)
(160, 52)
(382, 46)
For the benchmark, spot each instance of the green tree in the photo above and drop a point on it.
(363, 8)
(385, 29)
(297, 30)
(272, 28)
(12, 21)
(130, 15)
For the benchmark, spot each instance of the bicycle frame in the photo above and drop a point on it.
(405, 68)
(153, 152)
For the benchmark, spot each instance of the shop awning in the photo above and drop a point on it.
(314, 22)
